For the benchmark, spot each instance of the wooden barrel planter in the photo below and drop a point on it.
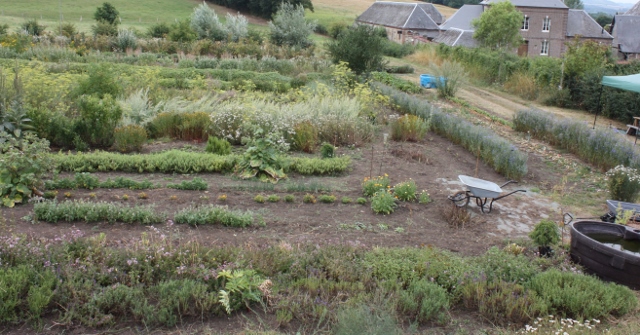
(610, 251)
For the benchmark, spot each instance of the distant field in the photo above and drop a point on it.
(140, 14)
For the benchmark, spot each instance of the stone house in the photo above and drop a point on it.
(546, 27)
(626, 34)
(403, 21)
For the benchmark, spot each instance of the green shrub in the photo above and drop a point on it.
(129, 138)
(98, 120)
(89, 212)
(361, 201)
(197, 184)
(346, 200)
(273, 198)
(623, 183)
(545, 233)
(261, 160)
(305, 137)
(327, 150)
(503, 303)
(158, 30)
(122, 182)
(218, 146)
(213, 215)
(327, 199)
(425, 301)
(500, 265)
(126, 40)
(289, 27)
(424, 197)
(366, 320)
(573, 295)
(181, 32)
(101, 81)
(397, 83)
(336, 28)
(405, 191)
(289, 198)
(454, 75)
(409, 128)
(373, 185)
(383, 202)
(360, 47)
(81, 180)
(400, 69)
(259, 199)
(23, 164)
(33, 28)
(309, 199)
(104, 29)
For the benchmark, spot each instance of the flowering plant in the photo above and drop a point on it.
(372, 185)
(623, 183)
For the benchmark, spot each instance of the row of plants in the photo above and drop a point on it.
(604, 148)
(176, 161)
(384, 198)
(157, 282)
(494, 150)
(111, 212)
(87, 181)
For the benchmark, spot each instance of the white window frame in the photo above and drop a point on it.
(544, 50)
(546, 23)
(525, 23)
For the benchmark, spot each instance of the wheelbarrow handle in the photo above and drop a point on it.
(507, 183)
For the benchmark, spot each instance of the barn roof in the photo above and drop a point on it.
(635, 10)
(625, 33)
(455, 37)
(419, 16)
(579, 23)
(463, 17)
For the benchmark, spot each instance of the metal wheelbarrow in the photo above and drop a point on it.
(482, 191)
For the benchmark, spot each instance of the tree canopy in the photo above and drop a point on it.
(499, 26)
(106, 13)
(263, 8)
(360, 47)
(574, 4)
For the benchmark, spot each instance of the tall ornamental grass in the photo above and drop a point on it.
(603, 148)
(494, 150)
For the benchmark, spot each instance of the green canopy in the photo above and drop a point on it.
(628, 83)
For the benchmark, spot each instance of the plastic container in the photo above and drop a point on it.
(427, 81)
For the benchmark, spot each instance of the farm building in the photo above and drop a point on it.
(404, 22)
(546, 27)
(625, 28)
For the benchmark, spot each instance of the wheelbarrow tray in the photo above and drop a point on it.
(481, 188)
(614, 205)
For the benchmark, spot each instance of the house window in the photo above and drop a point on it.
(545, 48)
(525, 23)
(546, 24)
(399, 32)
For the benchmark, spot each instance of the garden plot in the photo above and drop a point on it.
(433, 164)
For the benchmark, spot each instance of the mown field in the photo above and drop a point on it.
(241, 187)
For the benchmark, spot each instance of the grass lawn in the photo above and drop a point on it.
(134, 14)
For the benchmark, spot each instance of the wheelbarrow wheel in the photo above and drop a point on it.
(460, 199)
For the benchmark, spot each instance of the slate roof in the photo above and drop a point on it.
(455, 37)
(419, 16)
(581, 23)
(625, 33)
(531, 3)
(463, 17)
(635, 10)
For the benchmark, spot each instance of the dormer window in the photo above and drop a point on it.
(525, 23)
(546, 24)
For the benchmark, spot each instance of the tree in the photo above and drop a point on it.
(263, 8)
(206, 24)
(499, 26)
(574, 4)
(106, 14)
(289, 27)
(603, 19)
(360, 47)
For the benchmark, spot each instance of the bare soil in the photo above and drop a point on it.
(433, 164)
